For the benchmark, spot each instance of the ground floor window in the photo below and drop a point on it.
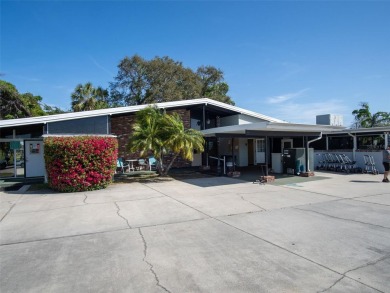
(11, 159)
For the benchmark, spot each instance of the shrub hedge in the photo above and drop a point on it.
(80, 163)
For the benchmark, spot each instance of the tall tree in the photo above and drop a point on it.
(15, 105)
(140, 81)
(364, 118)
(12, 105)
(33, 104)
(52, 110)
(86, 97)
(157, 132)
(213, 85)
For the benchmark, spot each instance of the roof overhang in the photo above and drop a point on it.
(360, 131)
(263, 129)
(132, 109)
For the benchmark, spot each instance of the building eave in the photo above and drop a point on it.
(129, 109)
(268, 128)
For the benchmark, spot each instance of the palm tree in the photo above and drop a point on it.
(86, 97)
(160, 133)
(147, 134)
(365, 119)
(181, 141)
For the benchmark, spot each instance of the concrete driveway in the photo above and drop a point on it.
(200, 235)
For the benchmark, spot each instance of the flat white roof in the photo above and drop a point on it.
(381, 129)
(270, 126)
(129, 109)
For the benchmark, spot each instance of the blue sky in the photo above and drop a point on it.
(291, 60)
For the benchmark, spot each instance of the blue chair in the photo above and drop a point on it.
(121, 165)
(152, 163)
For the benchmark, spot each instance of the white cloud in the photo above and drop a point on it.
(285, 97)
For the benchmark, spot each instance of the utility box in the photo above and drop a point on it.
(294, 161)
(329, 119)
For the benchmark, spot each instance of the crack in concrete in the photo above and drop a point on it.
(170, 223)
(100, 232)
(6, 214)
(370, 263)
(60, 208)
(180, 202)
(118, 212)
(344, 275)
(339, 218)
(319, 193)
(370, 195)
(63, 237)
(138, 199)
(85, 198)
(149, 264)
(381, 204)
(331, 286)
(303, 257)
(242, 197)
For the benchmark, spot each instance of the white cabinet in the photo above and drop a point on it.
(277, 165)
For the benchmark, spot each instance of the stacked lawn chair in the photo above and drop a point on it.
(337, 163)
(369, 163)
(349, 165)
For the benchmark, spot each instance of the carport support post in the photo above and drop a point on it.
(219, 159)
(204, 117)
(15, 169)
(233, 154)
(266, 156)
(307, 154)
(327, 143)
(354, 146)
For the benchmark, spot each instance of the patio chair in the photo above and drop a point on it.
(152, 163)
(142, 164)
(120, 165)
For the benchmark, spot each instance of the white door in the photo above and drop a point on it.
(35, 162)
(260, 151)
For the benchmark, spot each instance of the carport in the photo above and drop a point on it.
(266, 141)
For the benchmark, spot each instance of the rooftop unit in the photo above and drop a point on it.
(329, 119)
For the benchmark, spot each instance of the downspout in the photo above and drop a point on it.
(307, 151)
(354, 146)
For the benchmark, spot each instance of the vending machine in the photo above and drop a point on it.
(294, 160)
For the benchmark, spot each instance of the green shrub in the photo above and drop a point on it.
(80, 163)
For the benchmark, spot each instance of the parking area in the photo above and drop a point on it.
(214, 234)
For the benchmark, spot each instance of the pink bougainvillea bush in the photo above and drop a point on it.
(80, 163)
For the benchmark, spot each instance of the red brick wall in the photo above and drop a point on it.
(122, 127)
(185, 115)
